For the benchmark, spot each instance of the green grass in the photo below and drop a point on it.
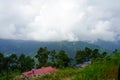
(9, 75)
(100, 69)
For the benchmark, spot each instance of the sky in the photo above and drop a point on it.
(59, 20)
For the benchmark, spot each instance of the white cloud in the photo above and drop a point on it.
(101, 31)
(56, 20)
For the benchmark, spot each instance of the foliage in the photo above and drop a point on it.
(87, 54)
(9, 75)
(100, 69)
(104, 66)
(12, 65)
(25, 63)
(42, 56)
(53, 57)
(62, 59)
(80, 57)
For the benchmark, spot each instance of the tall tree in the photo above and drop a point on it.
(88, 53)
(95, 53)
(80, 56)
(42, 56)
(13, 62)
(25, 63)
(30, 63)
(52, 57)
(62, 59)
(1, 62)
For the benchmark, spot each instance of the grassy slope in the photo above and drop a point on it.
(101, 69)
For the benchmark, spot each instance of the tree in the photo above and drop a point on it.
(30, 63)
(21, 63)
(80, 56)
(25, 63)
(13, 62)
(42, 56)
(7, 66)
(115, 51)
(95, 53)
(1, 62)
(88, 53)
(62, 59)
(103, 54)
(52, 57)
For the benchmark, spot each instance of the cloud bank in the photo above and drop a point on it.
(57, 20)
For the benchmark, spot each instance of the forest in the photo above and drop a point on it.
(106, 64)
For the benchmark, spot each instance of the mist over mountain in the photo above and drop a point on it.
(109, 45)
(58, 24)
(28, 47)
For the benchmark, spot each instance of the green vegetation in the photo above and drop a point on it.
(42, 56)
(62, 59)
(84, 55)
(101, 69)
(12, 65)
(104, 66)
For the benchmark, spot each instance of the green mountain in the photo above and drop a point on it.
(108, 44)
(31, 47)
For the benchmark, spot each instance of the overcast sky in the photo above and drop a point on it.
(57, 20)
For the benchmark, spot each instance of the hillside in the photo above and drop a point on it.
(108, 45)
(30, 47)
(100, 69)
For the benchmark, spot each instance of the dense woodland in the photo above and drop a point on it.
(12, 65)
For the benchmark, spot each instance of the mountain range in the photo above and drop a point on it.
(28, 47)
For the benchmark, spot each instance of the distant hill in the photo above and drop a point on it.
(108, 45)
(31, 47)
